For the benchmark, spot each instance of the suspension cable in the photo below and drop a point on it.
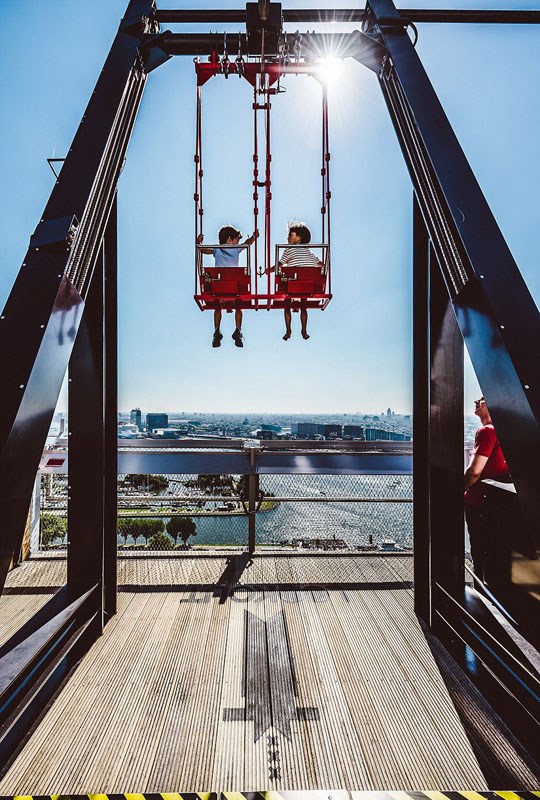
(325, 174)
(255, 181)
(198, 194)
(268, 190)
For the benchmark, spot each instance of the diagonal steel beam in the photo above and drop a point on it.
(41, 318)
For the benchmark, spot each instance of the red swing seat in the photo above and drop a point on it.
(301, 287)
(223, 287)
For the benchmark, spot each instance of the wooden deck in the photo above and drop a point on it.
(196, 687)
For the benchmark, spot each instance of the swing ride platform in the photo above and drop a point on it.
(289, 671)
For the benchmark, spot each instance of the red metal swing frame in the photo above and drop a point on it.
(231, 288)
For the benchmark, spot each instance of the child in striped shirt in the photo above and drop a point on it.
(295, 256)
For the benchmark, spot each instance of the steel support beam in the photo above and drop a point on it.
(497, 316)
(438, 433)
(421, 415)
(86, 500)
(92, 437)
(43, 312)
(446, 441)
(325, 15)
(315, 45)
(110, 413)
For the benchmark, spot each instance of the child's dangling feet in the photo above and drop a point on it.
(238, 338)
(218, 336)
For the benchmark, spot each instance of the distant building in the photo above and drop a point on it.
(380, 435)
(157, 421)
(304, 429)
(330, 431)
(388, 412)
(353, 431)
(135, 418)
(268, 427)
(127, 430)
(164, 433)
(266, 435)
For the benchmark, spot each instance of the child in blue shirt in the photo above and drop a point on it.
(227, 257)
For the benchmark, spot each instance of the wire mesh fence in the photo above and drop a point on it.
(336, 512)
(178, 512)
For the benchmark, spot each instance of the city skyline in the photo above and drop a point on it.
(360, 351)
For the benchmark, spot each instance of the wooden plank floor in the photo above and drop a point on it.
(194, 568)
(303, 687)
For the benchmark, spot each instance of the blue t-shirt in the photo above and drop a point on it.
(226, 257)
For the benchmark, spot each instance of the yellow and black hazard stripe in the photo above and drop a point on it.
(308, 794)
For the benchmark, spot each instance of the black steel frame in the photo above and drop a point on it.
(62, 310)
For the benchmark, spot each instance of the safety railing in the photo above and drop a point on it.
(172, 512)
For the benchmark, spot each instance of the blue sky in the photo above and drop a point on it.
(359, 355)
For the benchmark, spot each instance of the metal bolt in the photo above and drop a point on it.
(42, 326)
(481, 276)
(501, 327)
(21, 386)
(527, 386)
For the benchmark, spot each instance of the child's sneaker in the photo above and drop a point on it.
(216, 341)
(238, 338)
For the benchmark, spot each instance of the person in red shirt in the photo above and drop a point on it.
(487, 461)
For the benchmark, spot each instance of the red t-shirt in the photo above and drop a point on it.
(487, 444)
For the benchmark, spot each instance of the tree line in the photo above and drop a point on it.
(156, 534)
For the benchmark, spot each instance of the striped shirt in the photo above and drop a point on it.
(298, 256)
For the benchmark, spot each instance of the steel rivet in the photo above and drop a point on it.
(21, 386)
(42, 326)
(527, 386)
(501, 327)
(481, 276)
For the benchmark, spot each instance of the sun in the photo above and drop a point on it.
(331, 69)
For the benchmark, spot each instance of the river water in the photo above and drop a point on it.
(353, 522)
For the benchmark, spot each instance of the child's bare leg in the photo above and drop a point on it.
(237, 335)
(303, 322)
(287, 315)
(238, 315)
(216, 339)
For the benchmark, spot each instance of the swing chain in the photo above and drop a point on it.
(240, 62)
(283, 51)
(225, 63)
(297, 47)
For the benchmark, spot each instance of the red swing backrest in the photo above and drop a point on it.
(225, 281)
(300, 281)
